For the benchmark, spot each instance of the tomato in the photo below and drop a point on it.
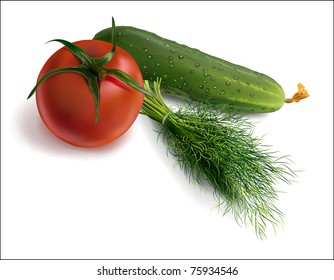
(66, 104)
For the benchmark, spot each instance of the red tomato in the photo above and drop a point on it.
(67, 106)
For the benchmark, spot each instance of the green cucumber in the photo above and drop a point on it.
(194, 75)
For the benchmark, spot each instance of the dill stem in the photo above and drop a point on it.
(153, 109)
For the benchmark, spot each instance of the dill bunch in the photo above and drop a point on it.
(220, 149)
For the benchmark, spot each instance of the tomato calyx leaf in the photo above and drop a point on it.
(125, 78)
(92, 81)
(108, 56)
(76, 51)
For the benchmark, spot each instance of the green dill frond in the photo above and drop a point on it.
(220, 149)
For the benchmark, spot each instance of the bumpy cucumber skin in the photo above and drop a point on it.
(193, 75)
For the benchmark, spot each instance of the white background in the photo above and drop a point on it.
(126, 200)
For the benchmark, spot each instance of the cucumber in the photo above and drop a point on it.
(194, 75)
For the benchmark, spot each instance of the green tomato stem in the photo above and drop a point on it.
(99, 71)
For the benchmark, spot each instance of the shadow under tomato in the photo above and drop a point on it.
(31, 128)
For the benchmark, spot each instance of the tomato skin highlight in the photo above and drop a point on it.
(66, 104)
